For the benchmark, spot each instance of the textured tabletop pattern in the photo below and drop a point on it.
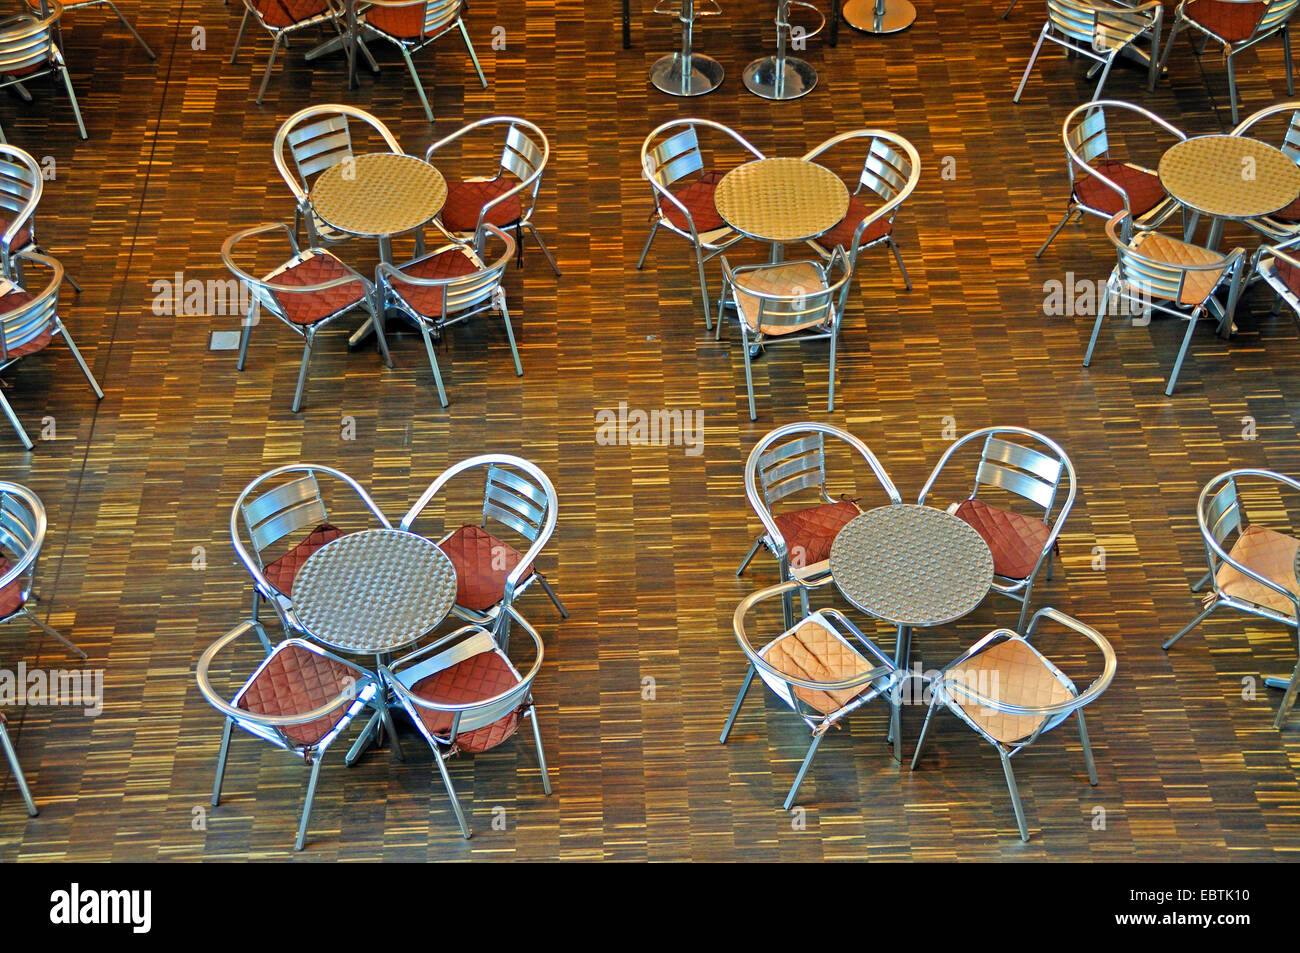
(374, 591)
(911, 565)
(781, 200)
(1229, 176)
(379, 194)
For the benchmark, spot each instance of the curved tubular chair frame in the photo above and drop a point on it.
(884, 175)
(357, 696)
(22, 531)
(1218, 513)
(948, 685)
(1088, 139)
(470, 716)
(665, 159)
(1270, 226)
(282, 603)
(513, 502)
(520, 156)
(21, 188)
(1264, 265)
(83, 4)
(27, 43)
(839, 625)
(1030, 484)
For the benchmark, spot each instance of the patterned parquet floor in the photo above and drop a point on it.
(639, 680)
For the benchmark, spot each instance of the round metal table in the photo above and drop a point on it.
(879, 16)
(371, 593)
(781, 201)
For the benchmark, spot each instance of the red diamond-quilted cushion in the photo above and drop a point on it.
(477, 678)
(697, 196)
(296, 680)
(1289, 214)
(1233, 22)
(1289, 274)
(21, 239)
(308, 307)
(1016, 541)
(283, 13)
(1143, 188)
(281, 572)
(428, 300)
(809, 533)
(482, 564)
(14, 301)
(465, 200)
(842, 234)
(11, 596)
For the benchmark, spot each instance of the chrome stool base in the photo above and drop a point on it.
(878, 16)
(679, 75)
(797, 78)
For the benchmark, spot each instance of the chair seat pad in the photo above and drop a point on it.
(1142, 185)
(428, 300)
(1288, 274)
(465, 200)
(15, 300)
(482, 564)
(308, 307)
(22, 238)
(811, 652)
(281, 572)
(11, 596)
(842, 234)
(282, 13)
(1290, 215)
(1014, 673)
(697, 196)
(403, 23)
(794, 278)
(1016, 541)
(477, 678)
(297, 680)
(1233, 22)
(1272, 555)
(1198, 285)
(810, 532)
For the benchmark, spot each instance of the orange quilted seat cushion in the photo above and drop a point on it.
(1143, 188)
(1015, 541)
(842, 234)
(477, 678)
(1270, 554)
(810, 652)
(281, 572)
(1232, 21)
(283, 13)
(296, 680)
(428, 300)
(482, 564)
(1197, 285)
(812, 531)
(308, 307)
(1012, 673)
(11, 596)
(697, 196)
(465, 200)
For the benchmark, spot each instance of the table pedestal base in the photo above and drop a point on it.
(879, 16)
(773, 79)
(692, 75)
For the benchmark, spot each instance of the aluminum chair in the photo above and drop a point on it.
(1255, 574)
(1011, 694)
(28, 52)
(300, 698)
(318, 138)
(787, 303)
(1102, 184)
(1021, 545)
(786, 461)
(449, 286)
(682, 187)
(1235, 25)
(1154, 268)
(1099, 30)
(889, 175)
(307, 292)
(411, 25)
(507, 199)
(491, 574)
(465, 695)
(28, 323)
(267, 524)
(284, 18)
(1279, 268)
(21, 186)
(83, 4)
(19, 778)
(22, 533)
(1284, 224)
(823, 669)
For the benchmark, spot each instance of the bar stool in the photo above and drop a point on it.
(883, 16)
(781, 76)
(686, 73)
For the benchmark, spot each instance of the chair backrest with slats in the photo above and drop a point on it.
(513, 500)
(1018, 469)
(1277, 14)
(1075, 19)
(286, 509)
(1290, 141)
(673, 158)
(792, 466)
(27, 42)
(1085, 135)
(318, 138)
(887, 170)
(1222, 513)
(22, 531)
(20, 188)
(439, 14)
(465, 292)
(522, 156)
(31, 316)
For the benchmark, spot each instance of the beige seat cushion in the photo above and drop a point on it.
(1270, 554)
(1013, 673)
(813, 653)
(795, 278)
(1198, 285)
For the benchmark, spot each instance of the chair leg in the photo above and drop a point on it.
(1110, 61)
(377, 322)
(564, 613)
(1188, 627)
(472, 55)
(221, 761)
(749, 374)
(302, 376)
(1007, 12)
(545, 251)
(266, 76)
(704, 289)
(40, 624)
(1169, 45)
(1096, 328)
(1201, 583)
(387, 714)
(257, 604)
(138, 38)
(1182, 353)
(830, 394)
(19, 778)
(1288, 699)
(1056, 231)
(1015, 794)
(898, 257)
(81, 362)
(1087, 749)
(654, 229)
(13, 419)
(245, 334)
(72, 98)
(752, 552)
(1232, 88)
(510, 333)
(239, 37)
(925, 728)
(735, 709)
(419, 87)
(306, 805)
(433, 362)
(803, 769)
(1033, 56)
(451, 793)
(541, 754)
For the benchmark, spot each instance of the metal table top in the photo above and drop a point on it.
(379, 194)
(1229, 176)
(911, 565)
(374, 591)
(781, 200)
